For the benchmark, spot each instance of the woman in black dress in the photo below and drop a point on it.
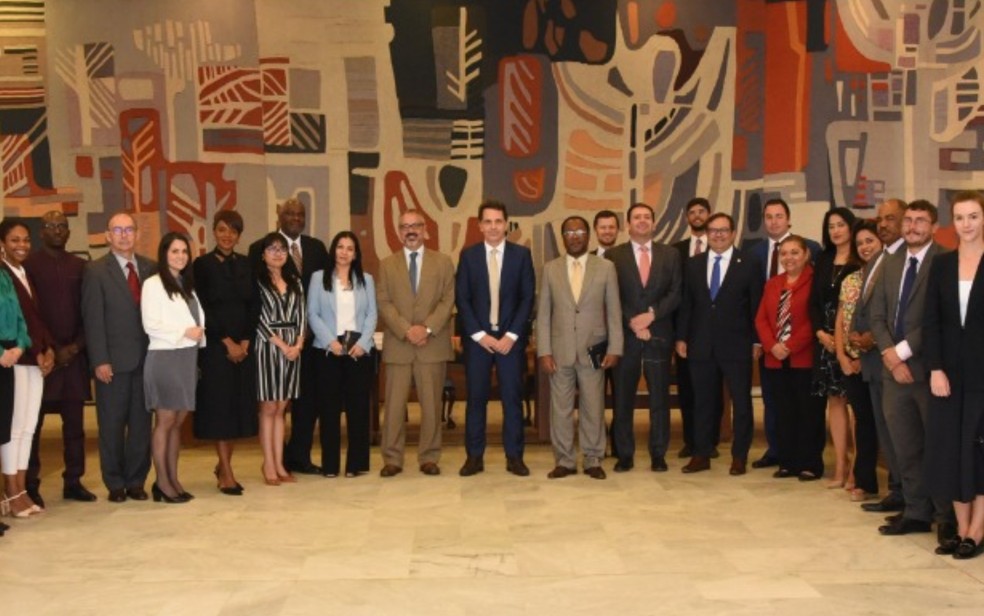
(226, 392)
(833, 265)
(953, 335)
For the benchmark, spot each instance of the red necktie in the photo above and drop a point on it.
(133, 282)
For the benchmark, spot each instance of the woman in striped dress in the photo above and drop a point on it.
(281, 323)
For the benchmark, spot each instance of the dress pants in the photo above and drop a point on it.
(654, 365)
(588, 383)
(303, 412)
(15, 455)
(73, 443)
(708, 377)
(768, 386)
(876, 389)
(865, 435)
(478, 375)
(801, 427)
(344, 383)
(428, 380)
(124, 431)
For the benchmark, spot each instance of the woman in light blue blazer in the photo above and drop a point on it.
(342, 316)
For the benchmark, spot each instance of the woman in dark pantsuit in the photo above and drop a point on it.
(953, 335)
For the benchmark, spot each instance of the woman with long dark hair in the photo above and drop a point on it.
(342, 315)
(13, 342)
(173, 320)
(281, 323)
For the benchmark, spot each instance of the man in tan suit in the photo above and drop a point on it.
(415, 295)
(579, 309)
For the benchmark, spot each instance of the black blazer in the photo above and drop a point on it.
(662, 292)
(957, 350)
(313, 253)
(723, 328)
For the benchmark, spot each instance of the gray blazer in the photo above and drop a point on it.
(565, 328)
(871, 363)
(884, 304)
(113, 328)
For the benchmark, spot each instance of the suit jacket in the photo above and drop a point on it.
(113, 329)
(166, 318)
(802, 337)
(957, 350)
(662, 292)
(885, 304)
(565, 328)
(314, 257)
(517, 289)
(723, 328)
(41, 339)
(760, 250)
(871, 363)
(322, 316)
(431, 307)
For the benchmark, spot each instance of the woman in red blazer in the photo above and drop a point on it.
(787, 342)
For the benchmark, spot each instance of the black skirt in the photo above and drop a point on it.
(226, 396)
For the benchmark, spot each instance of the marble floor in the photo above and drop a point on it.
(637, 543)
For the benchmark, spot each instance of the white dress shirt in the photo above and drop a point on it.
(725, 261)
(500, 255)
(902, 348)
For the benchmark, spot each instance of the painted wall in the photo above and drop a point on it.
(175, 109)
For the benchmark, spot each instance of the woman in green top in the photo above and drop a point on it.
(13, 341)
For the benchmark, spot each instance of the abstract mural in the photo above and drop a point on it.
(177, 109)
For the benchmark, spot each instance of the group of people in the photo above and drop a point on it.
(869, 320)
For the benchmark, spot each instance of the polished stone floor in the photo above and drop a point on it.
(637, 543)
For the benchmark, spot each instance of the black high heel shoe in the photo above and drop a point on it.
(159, 496)
(236, 490)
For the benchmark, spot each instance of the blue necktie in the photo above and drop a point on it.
(907, 283)
(413, 272)
(716, 278)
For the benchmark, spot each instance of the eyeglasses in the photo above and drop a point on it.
(411, 226)
(276, 250)
(122, 230)
(574, 233)
(55, 226)
(722, 231)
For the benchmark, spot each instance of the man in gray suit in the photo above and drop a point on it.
(579, 310)
(896, 314)
(117, 344)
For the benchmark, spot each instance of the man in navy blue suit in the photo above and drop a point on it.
(494, 293)
(777, 224)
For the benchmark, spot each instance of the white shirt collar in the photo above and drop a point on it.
(895, 246)
(921, 255)
(725, 256)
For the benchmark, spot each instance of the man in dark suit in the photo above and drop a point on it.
(697, 211)
(896, 313)
(117, 344)
(716, 333)
(494, 291)
(606, 230)
(777, 220)
(57, 276)
(890, 215)
(649, 276)
(307, 256)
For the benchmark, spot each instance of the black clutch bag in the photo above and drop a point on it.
(597, 352)
(349, 339)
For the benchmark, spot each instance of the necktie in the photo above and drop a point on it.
(644, 264)
(494, 288)
(784, 320)
(907, 283)
(133, 281)
(577, 278)
(698, 247)
(295, 255)
(774, 265)
(413, 272)
(716, 278)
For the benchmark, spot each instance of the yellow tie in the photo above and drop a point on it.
(494, 289)
(577, 277)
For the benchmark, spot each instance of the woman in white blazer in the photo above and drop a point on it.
(175, 324)
(342, 316)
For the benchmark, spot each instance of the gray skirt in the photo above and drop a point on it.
(170, 377)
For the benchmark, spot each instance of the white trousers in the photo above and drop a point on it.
(28, 388)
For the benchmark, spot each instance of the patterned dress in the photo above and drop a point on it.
(828, 380)
(284, 315)
(849, 295)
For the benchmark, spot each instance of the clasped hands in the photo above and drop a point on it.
(497, 345)
(639, 324)
(894, 364)
(338, 349)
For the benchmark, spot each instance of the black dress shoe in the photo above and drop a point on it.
(968, 548)
(905, 526)
(305, 468)
(137, 493)
(659, 465)
(809, 476)
(949, 546)
(559, 472)
(737, 467)
(885, 505)
(117, 496)
(895, 517)
(715, 453)
(473, 465)
(685, 452)
(517, 467)
(765, 462)
(595, 472)
(78, 493)
(782, 473)
(623, 465)
(945, 531)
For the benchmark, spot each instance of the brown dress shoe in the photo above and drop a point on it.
(595, 472)
(559, 472)
(473, 465)
(390, 470)
(737, 467)
(697, 464)
(137, 493)
(117, 496)
(430, 468)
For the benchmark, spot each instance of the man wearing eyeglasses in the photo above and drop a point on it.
(716, 334)
(494, 292)
(116, 344)
(414, 296)
(57, 276)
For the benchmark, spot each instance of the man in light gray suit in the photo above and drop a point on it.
(579, 310)
(896, 313)
(116, 344)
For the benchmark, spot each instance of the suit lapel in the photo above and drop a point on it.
(590, 268)
(871, 277)
(118, 277)
(924, 268)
